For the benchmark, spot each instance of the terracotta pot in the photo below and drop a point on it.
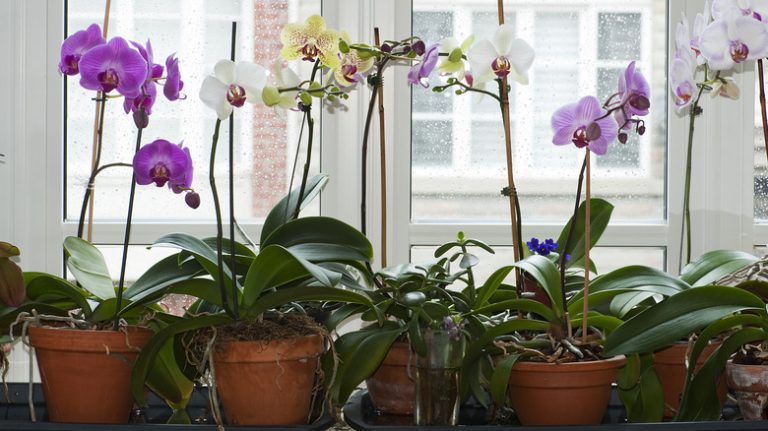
(750, 385)
(572, 393)
(391, 390)
(267, 382)
(670, 368)
(86, 374)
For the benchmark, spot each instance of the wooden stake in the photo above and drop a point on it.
(104, 33)
(510, 175)
(382, 157)
(587, 240)
(761, 81)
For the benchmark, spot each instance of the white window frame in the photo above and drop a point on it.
(31, 171)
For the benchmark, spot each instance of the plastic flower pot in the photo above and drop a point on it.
(86, 374)
(577, 391)
(267, 382)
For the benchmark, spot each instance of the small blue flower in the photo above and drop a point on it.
(542, 249)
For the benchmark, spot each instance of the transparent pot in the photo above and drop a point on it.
(437, 379)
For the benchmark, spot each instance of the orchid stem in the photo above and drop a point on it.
(295, 162)
(127, 239)
(686, 227)
(310, 139)
(764, 116)
(382, 157)
(569, 239)
(364, 164)
(233, 260)
(219, 230)
(587, 244)
(101, 101)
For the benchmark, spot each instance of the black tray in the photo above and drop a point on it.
(14, 415)
(360, 414)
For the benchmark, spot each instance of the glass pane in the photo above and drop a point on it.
(431, 143)
(761, 166)
(606, 258)
(199, 34)
(581, 47)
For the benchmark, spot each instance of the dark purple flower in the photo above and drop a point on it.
(454, 326)
(634, 94)
(76, 45)
(162, 162)
(173, 83)
(541, 248)
(584, 124)
(419, 47)
(419, 73)
(114, 65)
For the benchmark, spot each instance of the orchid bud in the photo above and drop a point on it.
(12, 289)
(343, 46)
(385, 47)
(640, 102)
(641, 129)
(141, 119)
(455, 55)
(593, 131)
(270, 96)
(622, 138)
(419, 47)
(192, 199)
(306, 99)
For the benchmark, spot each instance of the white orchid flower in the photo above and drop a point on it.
(231, 85)
(285, 78)
(726, 43)
(730, 9)
(502, 56)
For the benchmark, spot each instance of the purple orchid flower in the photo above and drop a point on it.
(728, 42)
(634, 94)
(76, 45)
(162, 162)
(114, 65)
(584, 124)
(173, 83)
(419, 73)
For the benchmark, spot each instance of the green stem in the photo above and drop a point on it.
(310, 139)
(94, 168)
(219, 229)
(127, 238)
(364, 164)
(686, 228)
(470, 280)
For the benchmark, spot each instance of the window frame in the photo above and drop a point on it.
(32, 171)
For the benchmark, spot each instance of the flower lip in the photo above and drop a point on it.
(236, 95)
(739, 51)
(580, 137)
(501, 67)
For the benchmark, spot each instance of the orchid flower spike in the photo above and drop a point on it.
(76, 45)
(584, 124)
(310, 41)
(500, 57)
(634, 94)
(114, 65)
(231, 85)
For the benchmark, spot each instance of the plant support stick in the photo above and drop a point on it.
(587, 241)
(382, 157)
(233, 260)
(761, 81)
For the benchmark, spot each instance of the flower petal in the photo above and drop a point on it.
(213, 93)
(480, 56)
(564, 124)
(521, 56)
(503, 40)
(224, 70)
(252, 77)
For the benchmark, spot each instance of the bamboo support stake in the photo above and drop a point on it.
(761, 81)
(382, 158)
(104, 33)
(510, 175)
(587, 241)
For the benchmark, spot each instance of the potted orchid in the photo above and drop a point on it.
(91, 326)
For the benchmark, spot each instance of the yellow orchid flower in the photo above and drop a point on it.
(351, 66)
(310, 41)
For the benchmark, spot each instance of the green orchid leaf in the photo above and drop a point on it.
(283, 212)
(640, 390)
(677, 317)
(600, 215)
(546, 274)
(276, 266)
(359, 355)
(343, 313)
(500, 378)
(297, 294)
(714, 265)
(89, 268)
(43, 287)
(161, 275)
(148, 355)
(322, 239)
(167, 381)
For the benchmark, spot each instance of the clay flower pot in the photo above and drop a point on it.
(670, 368)
(571, 393)
(267, 382)
(86, 374)
(391, 390)
(750, 384)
